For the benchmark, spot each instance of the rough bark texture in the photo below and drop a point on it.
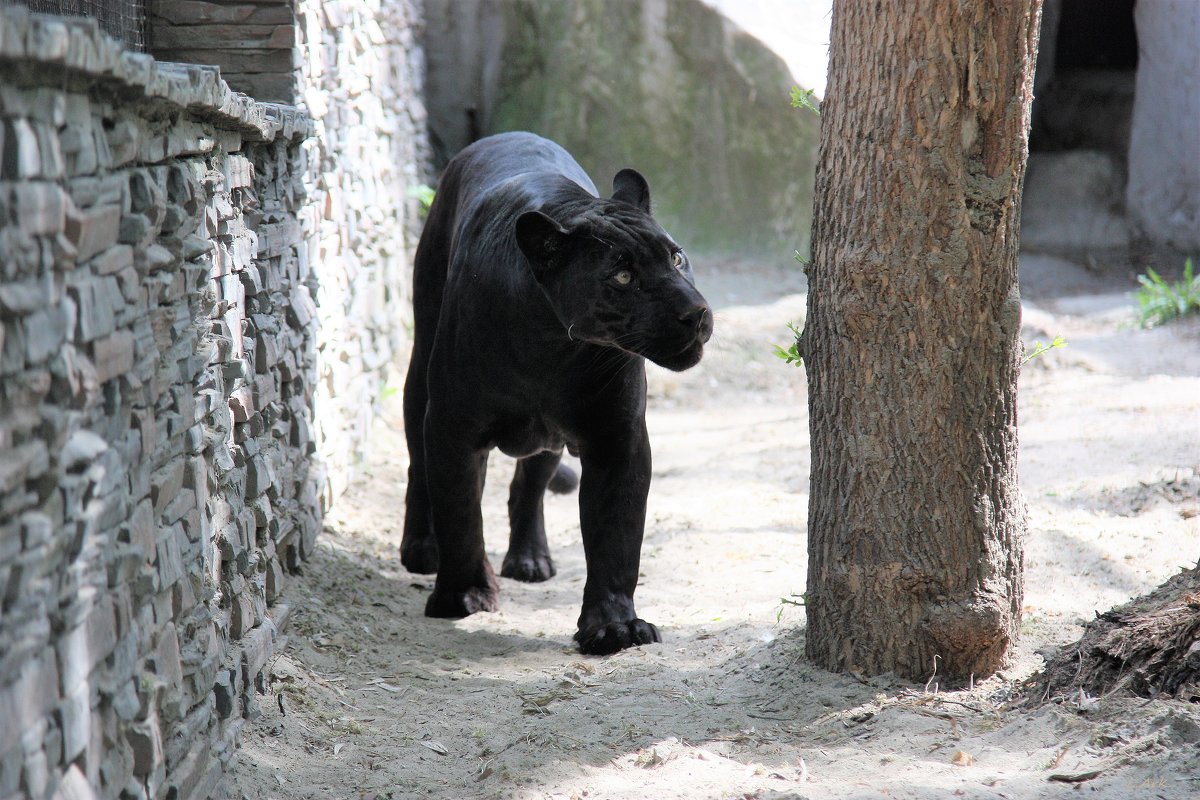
(1149, 646)
(911, 343)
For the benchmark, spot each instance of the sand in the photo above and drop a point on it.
(368, 699)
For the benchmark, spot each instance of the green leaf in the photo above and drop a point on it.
(1160, 301)
(424, 195)
(1040, 349)
(804, 98)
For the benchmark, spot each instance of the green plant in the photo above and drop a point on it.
(804, 98)
(424, 194)
(794, 599)
(1039, 348)
(1160, 301)
(792, 354)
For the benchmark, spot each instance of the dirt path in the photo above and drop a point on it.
(370, 699)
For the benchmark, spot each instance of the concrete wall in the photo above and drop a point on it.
(158, 368)
(1163, 194)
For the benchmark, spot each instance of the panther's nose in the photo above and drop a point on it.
(694, 317)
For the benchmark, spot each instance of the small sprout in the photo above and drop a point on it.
(792, 354)
(424, 194)
(791, 600)
(1039, 348)
(805, 98)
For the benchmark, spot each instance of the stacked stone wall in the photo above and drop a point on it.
(357, 69)
(158, 468)
(362, 76)
(252, 41)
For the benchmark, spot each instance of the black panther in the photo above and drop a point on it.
(536, 302)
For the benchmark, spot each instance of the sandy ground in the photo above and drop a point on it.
(370, 700)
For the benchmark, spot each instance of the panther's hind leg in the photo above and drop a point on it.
(465, 582)
(528, 557)
(418, 547)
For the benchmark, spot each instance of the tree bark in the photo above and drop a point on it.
(1149, 646)
(911, 343)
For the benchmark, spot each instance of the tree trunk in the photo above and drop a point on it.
(912, 344)
(1149, 646)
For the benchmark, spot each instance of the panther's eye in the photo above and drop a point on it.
(677, 259)
(624, 277)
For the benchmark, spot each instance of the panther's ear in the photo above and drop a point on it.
(541, 239)
(630, 187)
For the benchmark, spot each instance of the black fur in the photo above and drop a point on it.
(535, 303)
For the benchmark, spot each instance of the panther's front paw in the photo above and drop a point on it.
(531, 569)
(419, 556)
(455, 603)
(601, 640)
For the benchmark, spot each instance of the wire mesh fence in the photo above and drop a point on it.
(122, 19)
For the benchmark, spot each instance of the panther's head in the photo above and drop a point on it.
(614, 277)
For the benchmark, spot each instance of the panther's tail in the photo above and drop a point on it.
(564, 480)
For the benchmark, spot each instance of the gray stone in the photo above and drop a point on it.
(28, 699)
(21, 159)
(82, 449)
(79, 149)
(75, 786)
(155, 258)
(49, 38)
(45, 332)
(135, 229)
(124, 141)
(113, 260)
(169, 555)
(113, 355)
(166, 482)
(125, 701)
(41, 207)
(256, 649)
(302, 309)
(145, 740)
(94, 230)
(35, 775)
(75, 719)
(21, 463)
(22, 297)
(166, 661)
(95, 308)
(224, 694)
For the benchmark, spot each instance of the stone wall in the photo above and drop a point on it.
(356, 67)
(158, 366)
(253, 41)
(361, 79)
